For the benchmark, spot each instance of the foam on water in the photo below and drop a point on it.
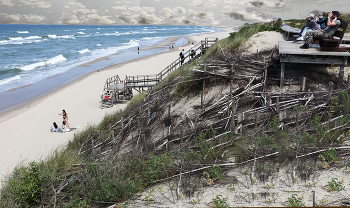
(56, 59)
(8, 80)
(22, 31)
(52, 36)
(32, 37)
(67, 36)
(84, 51)
(16, 38)
(82, 33)
(20, 40)
(51, 61)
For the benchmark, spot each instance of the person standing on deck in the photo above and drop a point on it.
(332, 26)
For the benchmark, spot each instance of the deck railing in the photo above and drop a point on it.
(199, 47)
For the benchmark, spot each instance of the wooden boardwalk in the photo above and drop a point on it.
(291, 53)
(115, 87)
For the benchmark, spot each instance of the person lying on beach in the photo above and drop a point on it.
(332, 26)
(65, 117)
(54, 127)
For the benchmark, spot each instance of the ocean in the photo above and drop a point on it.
(32, 53)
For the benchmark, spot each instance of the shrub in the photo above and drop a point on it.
(220, 201)
(27, 184)
(335, 185)
(295, 201)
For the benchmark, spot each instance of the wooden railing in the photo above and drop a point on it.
(141, 80)
(111, 81)
(199, 47)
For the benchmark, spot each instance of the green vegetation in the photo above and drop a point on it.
(28, 184)
(295, 201)
(220, 201)
(335, 185)
(233, 43)
(330, 156)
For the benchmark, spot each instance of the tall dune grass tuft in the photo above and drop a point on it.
(234, 42)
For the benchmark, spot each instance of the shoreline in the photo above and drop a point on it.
(19, 96)
(25, 134)
(9, 113)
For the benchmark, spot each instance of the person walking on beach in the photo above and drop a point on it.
(65, 117)
(332, 26)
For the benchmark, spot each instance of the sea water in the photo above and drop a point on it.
(30, 53)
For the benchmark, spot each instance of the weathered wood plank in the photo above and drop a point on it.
(290, 29)
(314, 60)
(290, 48)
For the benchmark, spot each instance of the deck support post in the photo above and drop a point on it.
(341, 75)
(330, 89)
(283, 66)
(303, 85)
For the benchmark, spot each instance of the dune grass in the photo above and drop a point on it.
(234, 42)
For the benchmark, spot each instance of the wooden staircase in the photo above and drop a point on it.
(115, 87)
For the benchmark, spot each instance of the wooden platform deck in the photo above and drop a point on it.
(291, 53)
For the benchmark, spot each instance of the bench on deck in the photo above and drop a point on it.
(290, 30)
(332, 44)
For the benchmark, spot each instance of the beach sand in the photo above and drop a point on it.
(25, 134)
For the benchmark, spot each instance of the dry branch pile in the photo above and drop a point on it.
(244, 103)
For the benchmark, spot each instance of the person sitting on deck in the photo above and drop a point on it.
(311, 25)
(332, 26)
(322, 20)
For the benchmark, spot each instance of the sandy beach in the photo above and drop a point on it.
(25, 134)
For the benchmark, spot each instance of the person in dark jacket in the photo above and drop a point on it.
(322, 20)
